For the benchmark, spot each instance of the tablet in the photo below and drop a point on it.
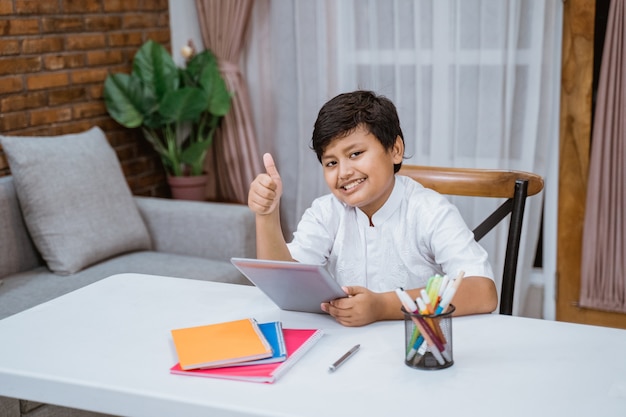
(291, 285)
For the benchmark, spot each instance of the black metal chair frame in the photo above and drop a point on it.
(514, 206)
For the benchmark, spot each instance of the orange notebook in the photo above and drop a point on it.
(298, 342)
(220, 344)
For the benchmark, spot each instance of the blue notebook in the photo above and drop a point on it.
(273, 332)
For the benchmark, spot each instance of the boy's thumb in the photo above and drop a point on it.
(350, 291)
(270, 167)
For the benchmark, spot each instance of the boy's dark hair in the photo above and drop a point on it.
(341, 115)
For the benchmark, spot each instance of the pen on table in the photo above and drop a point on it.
(344, 358)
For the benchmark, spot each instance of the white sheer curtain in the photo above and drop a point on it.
(476, 83)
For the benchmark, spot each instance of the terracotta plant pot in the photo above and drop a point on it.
(188, 188)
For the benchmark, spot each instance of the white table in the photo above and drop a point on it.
(107, 348)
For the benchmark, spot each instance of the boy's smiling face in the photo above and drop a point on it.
(359, 170)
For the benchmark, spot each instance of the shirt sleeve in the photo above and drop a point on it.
(452, 243)
(313, 238)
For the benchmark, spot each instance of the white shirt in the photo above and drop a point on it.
(417, 233)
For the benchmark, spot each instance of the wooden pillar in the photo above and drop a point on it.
(575, 140)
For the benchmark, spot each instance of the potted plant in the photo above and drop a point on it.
(178, 109)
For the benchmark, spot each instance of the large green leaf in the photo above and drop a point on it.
(215, 87)
(182, 105)
(156, 69)
(123, 99)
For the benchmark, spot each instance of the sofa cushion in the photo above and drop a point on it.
(17, 251)
(75, 200)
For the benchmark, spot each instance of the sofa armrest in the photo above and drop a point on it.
(205, 229)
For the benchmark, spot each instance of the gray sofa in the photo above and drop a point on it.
(188, 240)
(68, 219)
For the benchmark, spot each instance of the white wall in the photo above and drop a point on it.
(184, 26)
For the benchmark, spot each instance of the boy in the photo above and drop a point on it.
(376, 231)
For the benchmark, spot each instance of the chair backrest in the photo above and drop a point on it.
(515, 186)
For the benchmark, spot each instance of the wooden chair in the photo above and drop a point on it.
(515, 186)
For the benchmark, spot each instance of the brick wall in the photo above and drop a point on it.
(54, 58)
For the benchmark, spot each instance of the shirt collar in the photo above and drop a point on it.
(390, 206)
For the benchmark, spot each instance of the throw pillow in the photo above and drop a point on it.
(75, 200)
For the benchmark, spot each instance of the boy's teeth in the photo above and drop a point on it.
(352, 184)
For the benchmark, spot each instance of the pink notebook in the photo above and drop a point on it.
(297, 341)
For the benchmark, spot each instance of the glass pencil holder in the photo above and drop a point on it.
(428, 339)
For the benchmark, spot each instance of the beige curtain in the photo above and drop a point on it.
(233, 161)
(603, 273)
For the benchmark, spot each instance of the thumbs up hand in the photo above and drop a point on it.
(266, 189)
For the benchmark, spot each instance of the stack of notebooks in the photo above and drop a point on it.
(242, 350)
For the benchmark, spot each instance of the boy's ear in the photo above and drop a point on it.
(398, 150)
